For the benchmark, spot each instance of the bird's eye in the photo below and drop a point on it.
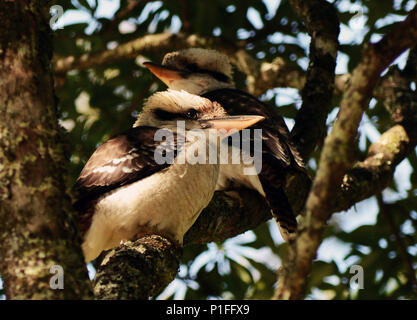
(192, 114)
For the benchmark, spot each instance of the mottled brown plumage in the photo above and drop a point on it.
(124, 159)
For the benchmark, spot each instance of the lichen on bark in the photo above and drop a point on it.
(137, 270)
(37, 223)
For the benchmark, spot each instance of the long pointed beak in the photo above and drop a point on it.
(231, 124)
(166, 74)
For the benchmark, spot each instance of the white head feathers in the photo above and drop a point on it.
(174, 101)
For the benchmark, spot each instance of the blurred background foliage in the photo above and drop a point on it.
(97, 103)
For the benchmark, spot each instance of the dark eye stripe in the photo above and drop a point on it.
(219, 76)
(166, 115)
(216, 75)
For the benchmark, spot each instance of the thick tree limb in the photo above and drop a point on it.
(37, 223)
(391, 148)
(137, 270)
(374, 174)
(336, 155)
(229, 214)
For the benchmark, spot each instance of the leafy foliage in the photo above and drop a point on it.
(100, 102)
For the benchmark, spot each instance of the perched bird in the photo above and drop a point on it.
(208, 73)
(134, 184)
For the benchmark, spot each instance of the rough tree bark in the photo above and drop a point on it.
(37, 224)
(137, 270)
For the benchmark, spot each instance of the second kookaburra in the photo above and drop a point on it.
(209, 73)
(124, 190)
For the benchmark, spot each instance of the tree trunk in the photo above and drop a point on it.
(38, 226)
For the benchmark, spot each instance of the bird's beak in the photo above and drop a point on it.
(165, 74)
(231, 124)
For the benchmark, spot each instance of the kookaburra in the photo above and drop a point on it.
(126, 190)
(208, 73)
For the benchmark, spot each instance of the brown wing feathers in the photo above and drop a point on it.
(117, 162)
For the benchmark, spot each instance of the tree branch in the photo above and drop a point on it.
(373, 174)
(137, 270)
(152, 44)
(320, 18)
(336, 155)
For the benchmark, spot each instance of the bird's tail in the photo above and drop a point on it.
(280, 208)
(283, 215)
